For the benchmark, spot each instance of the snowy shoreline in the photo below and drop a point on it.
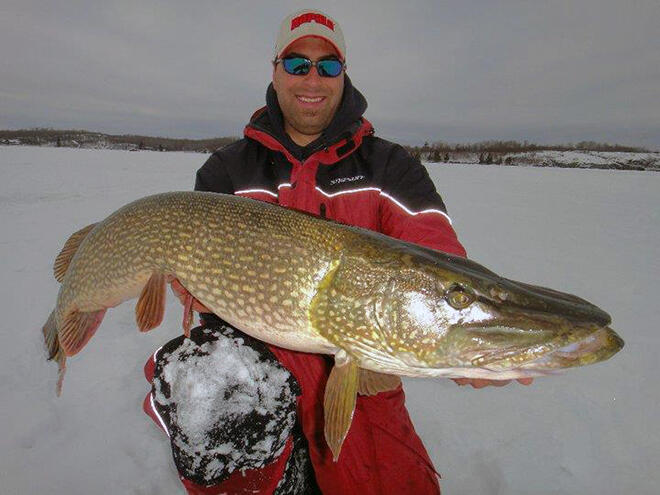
(585, 159)
(603, 160)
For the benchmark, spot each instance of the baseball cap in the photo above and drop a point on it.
(307, 22)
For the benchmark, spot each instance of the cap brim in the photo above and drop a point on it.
(286, 48)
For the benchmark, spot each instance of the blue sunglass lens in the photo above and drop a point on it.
(329, 68)
(297, 65)
(300, 66)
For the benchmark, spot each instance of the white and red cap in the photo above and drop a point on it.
(309, 22)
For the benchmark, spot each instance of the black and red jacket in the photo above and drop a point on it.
(353, 177)
(347, 175)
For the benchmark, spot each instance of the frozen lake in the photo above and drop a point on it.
(591, 431)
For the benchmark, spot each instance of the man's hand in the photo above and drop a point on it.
(481, 383)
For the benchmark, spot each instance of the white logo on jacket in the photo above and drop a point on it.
(341, 180)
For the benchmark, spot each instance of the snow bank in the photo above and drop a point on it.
(586, 159)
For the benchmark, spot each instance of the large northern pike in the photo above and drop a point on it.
(381, 306)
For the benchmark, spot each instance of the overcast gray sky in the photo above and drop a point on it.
(456, 71)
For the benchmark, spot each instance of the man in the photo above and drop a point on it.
(310, 148)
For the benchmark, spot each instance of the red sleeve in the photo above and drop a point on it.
(431, 229)
(412, 210)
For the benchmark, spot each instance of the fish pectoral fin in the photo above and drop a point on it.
(339, 401)
(150, 307)
(77, 329)
(72, 244)
(372, 382)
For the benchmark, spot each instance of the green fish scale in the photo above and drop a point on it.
(302, 282)
(246, 260)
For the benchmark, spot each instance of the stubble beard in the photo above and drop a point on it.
(309, 123)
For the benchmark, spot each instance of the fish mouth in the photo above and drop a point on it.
(541, 330)
(577, 347)
(598, 346)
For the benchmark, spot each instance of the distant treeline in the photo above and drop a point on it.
(86, 139)
(489, 151)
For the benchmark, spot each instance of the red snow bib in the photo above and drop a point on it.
(382, 453)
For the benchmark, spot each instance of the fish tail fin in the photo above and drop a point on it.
(54, 350)
(70, 248)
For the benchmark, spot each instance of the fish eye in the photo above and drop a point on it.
(458, 297)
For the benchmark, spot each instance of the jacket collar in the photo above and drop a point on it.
(326, 155)
(340, 138)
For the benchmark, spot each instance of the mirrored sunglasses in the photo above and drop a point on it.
(300, 66)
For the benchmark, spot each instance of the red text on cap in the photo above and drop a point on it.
(309, 17)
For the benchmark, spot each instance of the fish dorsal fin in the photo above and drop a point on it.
(150, 307)
(78, 327)
(72, 244)
(339, 401)
(372, 382)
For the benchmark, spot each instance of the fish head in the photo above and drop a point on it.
(456, 318)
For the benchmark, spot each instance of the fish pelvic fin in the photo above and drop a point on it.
(186, 323)
(78, 328)
(372, 382)
(150, 307)
(339, 401)
(63, 260)
(54, 350)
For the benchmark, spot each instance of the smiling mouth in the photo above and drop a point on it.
(309, 99)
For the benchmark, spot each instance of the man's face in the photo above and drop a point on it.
(308, 102)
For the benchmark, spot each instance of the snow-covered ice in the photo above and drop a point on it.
(591, 430)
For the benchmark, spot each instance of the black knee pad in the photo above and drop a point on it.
(227, 402)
